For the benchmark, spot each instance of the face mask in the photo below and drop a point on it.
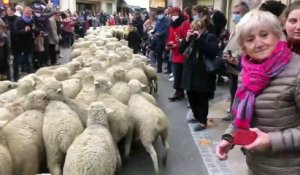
(160, 16)
(26, 19)
(195, 17)
(174, 18)
(236, 18)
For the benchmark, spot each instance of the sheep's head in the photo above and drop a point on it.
(61, 73)
(119, 74)
(7, 85)
(54, 90)
(98, 114)
(25, 87)
(102, 84)
(36, 100)
(96, 66)
(135, 86)
(74, 66)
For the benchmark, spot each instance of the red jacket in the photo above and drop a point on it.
(180, 32)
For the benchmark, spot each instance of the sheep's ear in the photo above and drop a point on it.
(3, 123)
(59, 90)
(110, 84)
(142, 85)
(108, 110)
(33, 84)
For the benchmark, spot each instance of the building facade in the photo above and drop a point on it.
(108, 6)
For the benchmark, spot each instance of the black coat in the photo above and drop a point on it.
(4, 55)
(194, 75)
(24, 41)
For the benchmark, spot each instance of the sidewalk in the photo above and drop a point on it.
(207, 140)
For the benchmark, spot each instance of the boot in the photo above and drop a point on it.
(179, 95)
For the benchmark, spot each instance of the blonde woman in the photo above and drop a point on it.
(198, 83)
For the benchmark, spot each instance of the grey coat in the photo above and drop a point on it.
(277, 112)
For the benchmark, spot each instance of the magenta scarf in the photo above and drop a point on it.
(255, 78)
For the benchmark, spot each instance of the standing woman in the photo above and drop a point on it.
(177, 32)
(199, 84)
(267, 101)
(292, 26)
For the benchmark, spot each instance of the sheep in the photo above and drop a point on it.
(120, 89)
(60, 73)
(7, 97)
(24, 135)
(71, 87)
(7, 85)
(11, 110)
(61, 127)
(138, 74)
(25, 86)
(93, 152)
(150, 122)
(150, 73)
(75, 53)
(120, 122)
(6, 167)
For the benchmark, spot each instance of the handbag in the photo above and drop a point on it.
(215, 65)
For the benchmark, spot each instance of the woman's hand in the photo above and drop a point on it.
(197, 34)
(222, 149)
(188, 35)
(261, 143)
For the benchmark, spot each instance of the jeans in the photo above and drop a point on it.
(22, 58)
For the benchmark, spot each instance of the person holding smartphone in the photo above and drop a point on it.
(179, 27)
(198, 83)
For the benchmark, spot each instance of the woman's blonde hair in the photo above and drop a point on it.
(257, 19)
(198, 24)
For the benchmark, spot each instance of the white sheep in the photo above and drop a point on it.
(120, 89)
(61, 127)
(151, 75)
(6, 167)
(11, 110)
(7, 97)
(24, 135)
(150, 122)
(7, 85)
(120, 121)
(93, 152)
(138, 74)
(71, 87)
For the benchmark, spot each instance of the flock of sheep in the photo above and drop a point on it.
(69, 118)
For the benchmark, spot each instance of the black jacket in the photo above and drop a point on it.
(194, 76)
(4, 55)
(23, 40)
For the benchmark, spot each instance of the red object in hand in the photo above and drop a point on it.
(244, 137)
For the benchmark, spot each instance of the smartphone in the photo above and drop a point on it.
(229, 52)
(244, 137)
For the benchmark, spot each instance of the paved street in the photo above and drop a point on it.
(191, 153)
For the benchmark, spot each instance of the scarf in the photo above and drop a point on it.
(255, 78)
